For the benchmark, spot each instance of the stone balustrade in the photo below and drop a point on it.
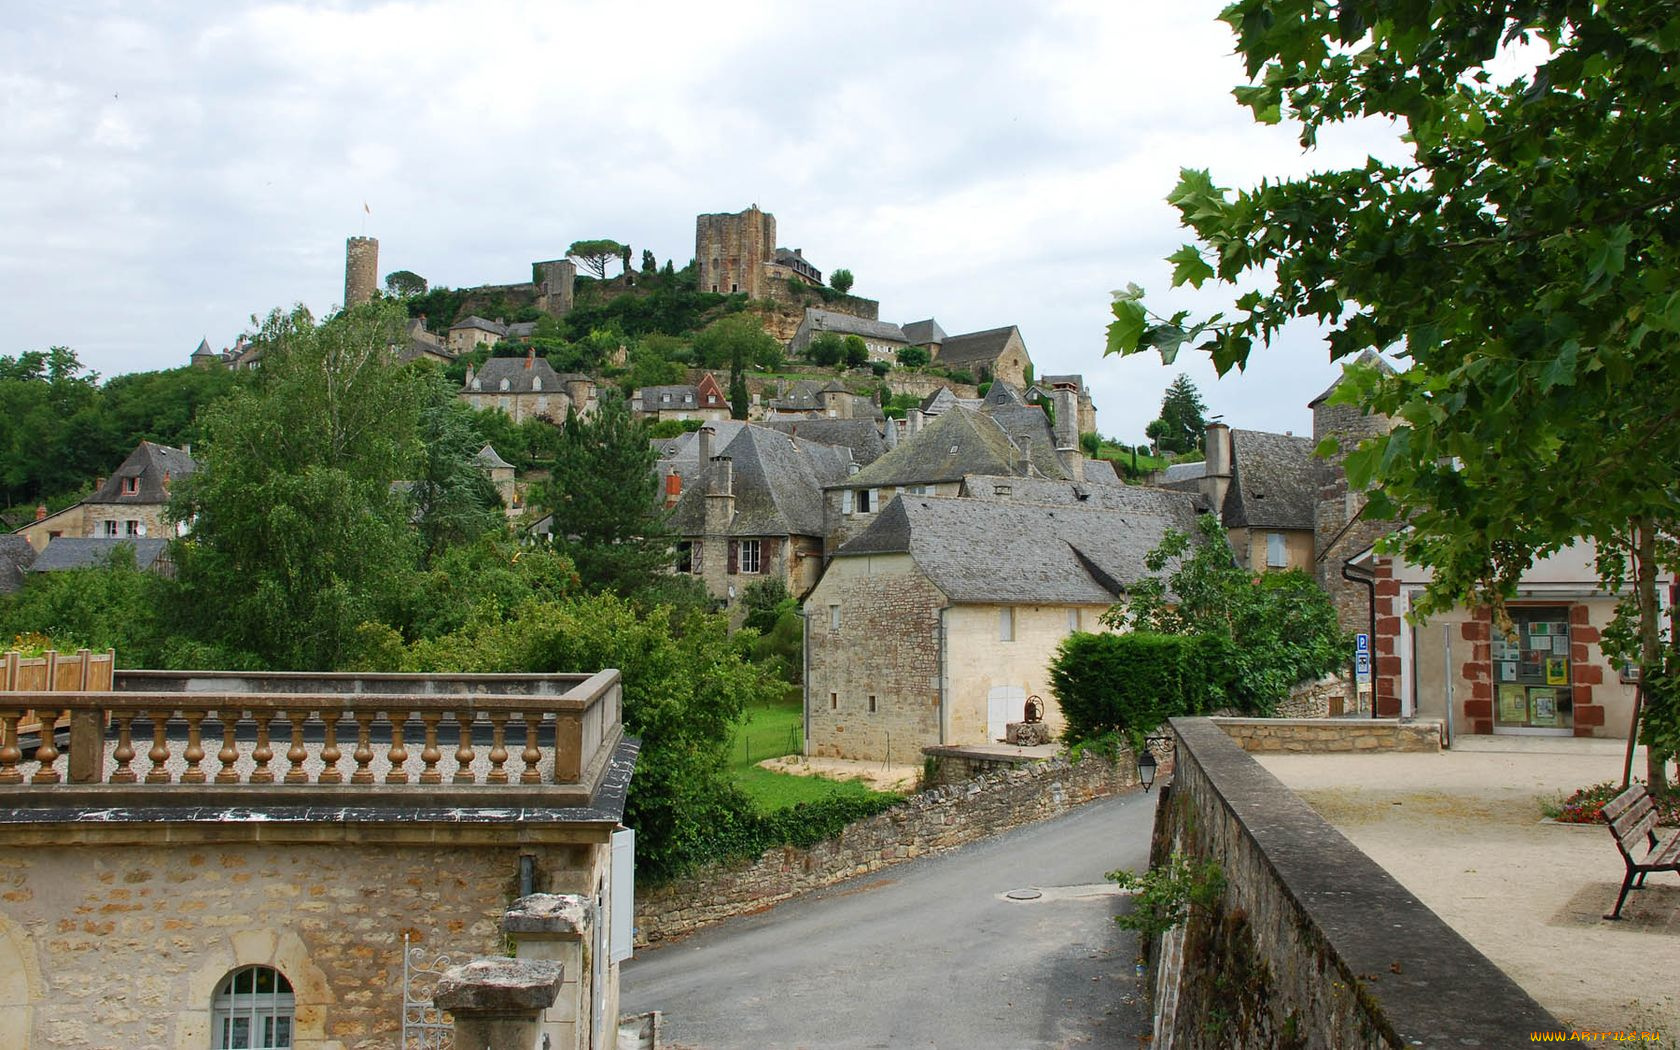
(161, 732)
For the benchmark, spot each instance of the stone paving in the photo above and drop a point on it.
(1464, 831)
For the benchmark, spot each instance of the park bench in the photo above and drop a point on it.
(1633, 820)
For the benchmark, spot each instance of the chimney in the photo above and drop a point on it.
(723, 478)
(704, 438)
(98, 483)
(914, 418)
(530, 357)
(40, 512)
(673, 488)
(720, 499)
(186, 450)
(1216, 476)
(1065, 397)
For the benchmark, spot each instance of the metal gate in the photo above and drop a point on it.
(424, 1026)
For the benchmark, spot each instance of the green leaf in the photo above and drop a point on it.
(1560, 371)
(1189, 267)
(1127, 328)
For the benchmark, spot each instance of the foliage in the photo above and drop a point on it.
(1277, 629)
(879, 369)
(441, 307)
(1524, 261)
(1182, 423)
(913, 356)
(650, 265)
(841, 281)
(1090, 443)
(595, 255)
(670, 428)
(1586, 805)
(1128, 684)
(737, 341)
(604, 497)
(113, 607)
(453, 497)
(826, 349)
(899, 405)
(856, 351)
(403, 283)
(296, 535)
(1163, 897)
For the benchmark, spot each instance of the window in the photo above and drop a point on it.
(1073, 620)
(665, 398)
(252, 1010)
(1275, 558)
(872, 703)
(1006, 625)
(865, 500)
(107, 528)
(834, 701)
(685, 556)
(131, 527)
(131, 486)
(834, 617)
(749, 556)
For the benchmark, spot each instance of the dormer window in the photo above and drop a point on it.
(478, 384)
(536, 382)
(507, 385)
(131, 486)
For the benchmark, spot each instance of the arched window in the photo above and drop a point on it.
(252, 1010)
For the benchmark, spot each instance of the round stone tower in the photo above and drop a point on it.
(361, 270)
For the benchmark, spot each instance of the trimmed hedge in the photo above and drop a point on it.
(1126, 684)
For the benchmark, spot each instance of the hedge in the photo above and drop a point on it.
(1128, 684)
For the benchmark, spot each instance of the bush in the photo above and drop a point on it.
(1128, 684)
(913, 357)
(880, 368)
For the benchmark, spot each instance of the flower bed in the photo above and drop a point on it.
(1586, 806)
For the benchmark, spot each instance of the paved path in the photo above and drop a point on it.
(928, 953)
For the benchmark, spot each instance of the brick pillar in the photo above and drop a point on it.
(498, 1003)
(1477, 669)
(1589, 716)
(1385, 647)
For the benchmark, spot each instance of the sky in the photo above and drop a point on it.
(169, 169)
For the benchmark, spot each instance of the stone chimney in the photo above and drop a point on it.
(673, 488)
(530, 358)
(1065, 396)
(1217, 476)
(704, 439)
(40, 512)
(915, 420)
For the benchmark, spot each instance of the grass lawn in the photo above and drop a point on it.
(771, 731)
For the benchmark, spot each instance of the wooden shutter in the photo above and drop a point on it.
(734, 556)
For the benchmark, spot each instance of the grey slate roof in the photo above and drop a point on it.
(153, 467)
(975, 347)
(69, 552)
(1020, 553)
(1274, 481)
(1048, 383)
(1176, 472)
(953, 444)
(521, 329)
(862, 436)
(939, 401)
(1029, 428)
(1134, 500)
(16, 555)
(683, 451)
(777, 483)
(921, 333)
(483, 325)
(204, 349)
(488, 459)
(845, 324)
(521, 374)
(1001, 394)
(655, 397)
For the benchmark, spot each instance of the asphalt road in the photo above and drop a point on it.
(929, 953)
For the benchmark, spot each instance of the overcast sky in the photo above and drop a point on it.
(169, 169)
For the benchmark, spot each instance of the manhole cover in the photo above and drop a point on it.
(1028, 894)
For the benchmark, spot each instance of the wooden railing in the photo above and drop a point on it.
(54, 672)
(339, 731)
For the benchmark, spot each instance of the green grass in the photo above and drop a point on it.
(771, 731)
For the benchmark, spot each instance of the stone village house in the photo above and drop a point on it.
(132, 503)
(939, 620)
(528, 388)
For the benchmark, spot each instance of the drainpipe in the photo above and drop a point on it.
(805, 686)
(944, 679)
(1354, 574)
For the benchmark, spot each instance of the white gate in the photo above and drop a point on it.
(1004, 704)
(424, 1026)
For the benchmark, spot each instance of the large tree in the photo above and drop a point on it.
(296, 535)
(1524, 262)
(596, 254)
(1183, 422)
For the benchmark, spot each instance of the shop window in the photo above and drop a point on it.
(1531, 669)
(252, 1010)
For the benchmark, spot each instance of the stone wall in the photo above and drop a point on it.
(922, 385)
(1338, 734)
(122, 945)
(1332, 695)
(935, 820)
(1308, 943)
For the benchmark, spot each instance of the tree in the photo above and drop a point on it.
(604, 496)
(454, 500)
(857, 351)
(1524, 262)
(840, 281)
(826, 350)
(297, 537)
(737, 341)
(401, 284)
(1183, 425)
(595, 255)
(650, 265)
(913, 356)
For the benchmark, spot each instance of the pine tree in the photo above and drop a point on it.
(1182, 419)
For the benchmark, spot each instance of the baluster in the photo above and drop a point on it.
(297, 753)
(464, 753)
(532, 754)
(124, 754)
(498, 748)
(195, 750)
(364, 749)
(398, 773)
(262, 753)
(159, 754)
(229, 754)
(430, 753)
(330, 754)
(10, 753)
(47, 753)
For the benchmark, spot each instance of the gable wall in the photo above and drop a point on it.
(980, 661)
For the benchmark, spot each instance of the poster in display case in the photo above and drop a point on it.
(1543, 709)
(1513, 704)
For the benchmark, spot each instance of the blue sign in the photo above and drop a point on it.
(1361, 643)
(1362, 666)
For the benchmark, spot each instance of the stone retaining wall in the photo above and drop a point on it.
(935, 820)
(1308, 942)
(1324, 735)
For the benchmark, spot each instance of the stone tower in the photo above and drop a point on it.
(1338, 530)
(556, 283)
(730, 250)
(361, 270)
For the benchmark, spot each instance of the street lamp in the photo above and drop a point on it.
(1146, 763)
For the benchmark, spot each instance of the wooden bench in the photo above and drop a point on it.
(1633, 820)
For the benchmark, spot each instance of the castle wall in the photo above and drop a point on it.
(730, 251)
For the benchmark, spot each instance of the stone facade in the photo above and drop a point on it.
(1339, 532)
(1328, 735)
(930, 822)
(991, 678)
(361, 270)
(731, 250)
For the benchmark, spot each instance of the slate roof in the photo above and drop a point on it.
(654, 397)
(1274, 481)
(204, 349)
(778, 485)
(1048, 383)
(488, 459)
(683, 451)
(1029, 428)
(1176, 472)
(1020, 553)
(1001, 394)
(16, 555)
(862, 436)
(951, 445)
(521, 329)
(483, 325)
(69, 552)
(975, 347)
(151, 465)
(1366, 358)
(939, 401)
(921, 333)
(520, 378)
(845, 324)
(1136, 500)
